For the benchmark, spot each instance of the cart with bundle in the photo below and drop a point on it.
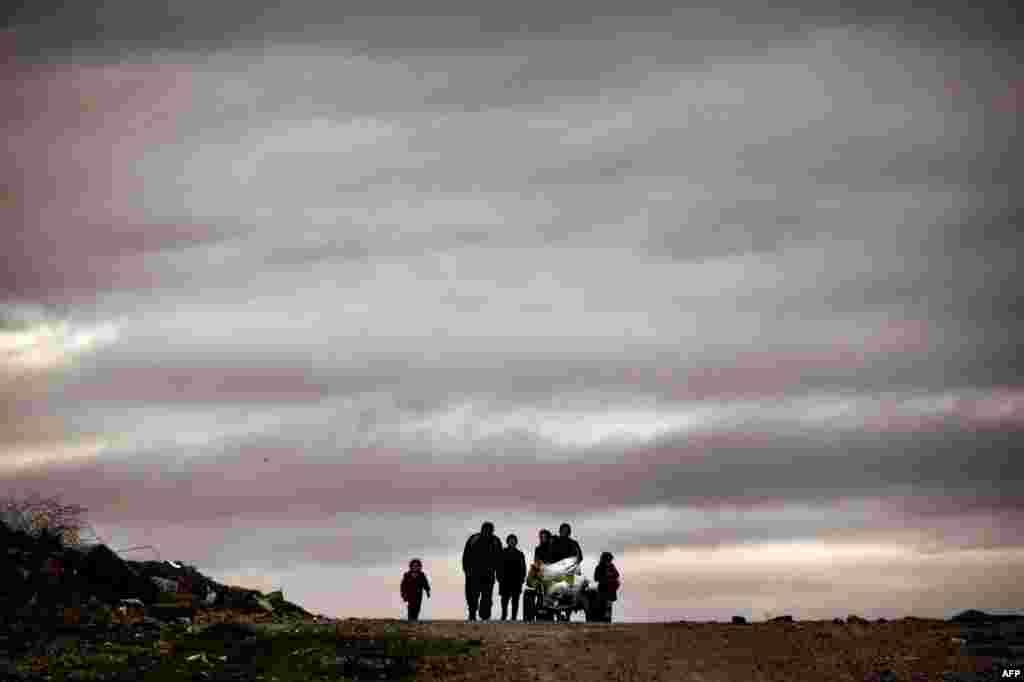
(556, 590)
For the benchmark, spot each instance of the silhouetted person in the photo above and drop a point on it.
(480, 560)
(564, 546)
(414, 584)
(511, 577)
(541, 555)
(607, 578)
(544, 551)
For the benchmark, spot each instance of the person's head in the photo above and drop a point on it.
(606, 557)
(487, 530)
(511, 540)
(565, 530)
(415, 565)
(545, 536)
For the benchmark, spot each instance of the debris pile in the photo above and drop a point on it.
(42, 579)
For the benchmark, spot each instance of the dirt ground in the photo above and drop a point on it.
(911, 650)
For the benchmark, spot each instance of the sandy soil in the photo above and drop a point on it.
(913, 650)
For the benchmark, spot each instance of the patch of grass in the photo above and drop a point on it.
(397, 645)
(302, 654)
(107, 661)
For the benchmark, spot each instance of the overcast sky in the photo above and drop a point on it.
(298, 293)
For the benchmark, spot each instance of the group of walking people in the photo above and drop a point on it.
(485, 562)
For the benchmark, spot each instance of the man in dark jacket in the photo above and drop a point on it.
(511, 576)
(564, 546)
(480, 560)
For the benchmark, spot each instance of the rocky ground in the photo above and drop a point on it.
(903, 650)
(718, 652)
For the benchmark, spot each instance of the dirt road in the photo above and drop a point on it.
(911, 650)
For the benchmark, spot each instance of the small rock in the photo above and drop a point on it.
(856, 619)
(164, 584)
(739, 620)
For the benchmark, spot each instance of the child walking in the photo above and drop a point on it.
(414, 584)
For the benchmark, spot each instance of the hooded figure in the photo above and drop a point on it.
(511, 577)
(607, 578)
(481, 558)
(544, 551)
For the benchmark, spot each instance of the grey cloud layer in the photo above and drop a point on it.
(361, 457)
(845, 154)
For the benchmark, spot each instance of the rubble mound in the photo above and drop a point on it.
(42, 578)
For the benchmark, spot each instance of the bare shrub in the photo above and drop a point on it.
(35, 514)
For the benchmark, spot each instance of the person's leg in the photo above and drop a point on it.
(596, 606)
(472, 596)
(486, 597)
(414, 609)
(515, 603)
(528, 605)
(504, 605)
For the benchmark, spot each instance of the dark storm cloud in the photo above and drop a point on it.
(398, 25)
(944, 463)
